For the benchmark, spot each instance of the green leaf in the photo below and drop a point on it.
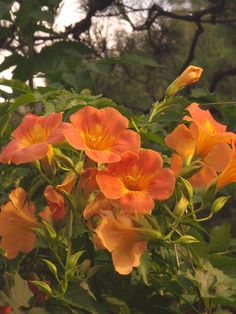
(10, 61)
(41, 16)
(144, 267)
(199, 250)
(4, 8)
(220, 238)
(224, 263)
(43, 286)
(15, 84)
(81, 298)
(5, 117)
(154, 138)
(16, 292)
(24, 99)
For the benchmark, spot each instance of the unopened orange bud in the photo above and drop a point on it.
(190, 75)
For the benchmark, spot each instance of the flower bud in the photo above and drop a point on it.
(181, 206)
(219, 203)
(47, 164)
(186, 188)
(187, 239)
(190, 75)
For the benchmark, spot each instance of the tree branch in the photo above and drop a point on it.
(85, 24)
(219, 75)
(193, 46)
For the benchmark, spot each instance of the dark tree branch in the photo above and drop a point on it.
(154, 12)
(85, 24)
(219, 75)
(193, 46)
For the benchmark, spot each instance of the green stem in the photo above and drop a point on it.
(157, 107)
(194, 272)
(170, 212)
(69, 234)
(58, 259)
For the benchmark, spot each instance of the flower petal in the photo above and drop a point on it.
(110, 186)
(127, 256)
(181, 140)
(127, 141)
(137, 202)
(73, 137)
(163, 184)
(219, 156)
(203, 178)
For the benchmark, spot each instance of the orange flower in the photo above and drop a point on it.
(16, 223)
(102, 134)
(136, 181)
(205, 130)
(203, 178)
(97, 207)
(214, 163)
(120, 237)
(55, 199)
(189, 76)
(32, 139)
(205, 141)
(87, 181)
(228, 175)
(182, 141)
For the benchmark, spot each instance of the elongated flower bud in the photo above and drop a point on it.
(190, 75)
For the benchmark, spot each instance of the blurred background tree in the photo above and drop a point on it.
(125, 49)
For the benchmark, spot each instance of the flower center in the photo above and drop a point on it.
(98, 139)
(35, 136)
(210, 128)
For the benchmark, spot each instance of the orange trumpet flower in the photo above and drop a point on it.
(16, 223)
(102, 134)
(136, 181)
(228, 175)
(120, 237)
(55, 199)
(205, 130)
(33, 139)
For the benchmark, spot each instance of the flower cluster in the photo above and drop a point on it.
(205, 147)
(122, 184)
(114, 183)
